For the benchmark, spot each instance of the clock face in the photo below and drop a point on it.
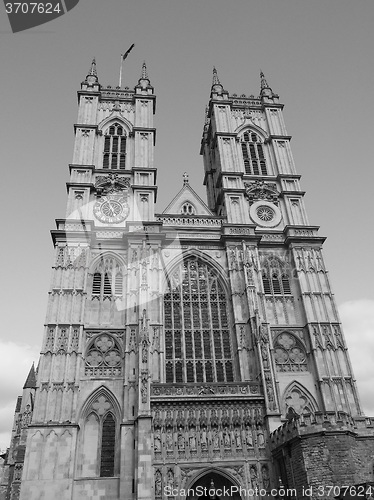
(111, 209)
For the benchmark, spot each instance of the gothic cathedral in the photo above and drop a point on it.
(195, 347)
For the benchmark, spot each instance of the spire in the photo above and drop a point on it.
(185, 178)
(265, 89)
(144, 79)
(217, 87)
(92, 74)
(93, 71)
(31, 379)
(144, 72)
(264, 83)
(215, 77)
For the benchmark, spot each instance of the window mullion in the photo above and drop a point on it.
(172, 333)
(221, 334)
(213, 352)
(183, 339)
(198, 270)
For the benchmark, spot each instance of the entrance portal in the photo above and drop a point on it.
(214, 486)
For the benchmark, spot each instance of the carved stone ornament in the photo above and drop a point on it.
(111, 183)
(261, 190)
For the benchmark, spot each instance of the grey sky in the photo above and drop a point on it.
(316, 54)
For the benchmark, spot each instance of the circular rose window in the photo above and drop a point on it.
(265, 214)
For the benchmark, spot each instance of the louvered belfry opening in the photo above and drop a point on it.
(197, 338)
(275, 278)
(253, 154)
(115, 148)
(107, 280)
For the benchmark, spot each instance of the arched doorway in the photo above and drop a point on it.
(213, 486)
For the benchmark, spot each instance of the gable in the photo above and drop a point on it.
(187, 202)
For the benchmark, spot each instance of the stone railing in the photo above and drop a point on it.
(72, 225)
(302, 231)
(189, 221)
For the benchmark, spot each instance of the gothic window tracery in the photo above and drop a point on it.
(107, 280)
(197, 338)
(114, 156)
(289, 353)
(253, 154)
(275, 278)
(297, 400)
(103, 357)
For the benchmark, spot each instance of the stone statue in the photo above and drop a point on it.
(158, 484)
(238, 439)
(192, 439)
(260, 436)
(203, 438)
(157, 440)
(226, 437)
(216, 439)
(169, 439)
(254, 478)
(248, 436)
(181, 440)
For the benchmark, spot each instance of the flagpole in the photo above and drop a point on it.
(120, 71)
(123, 57)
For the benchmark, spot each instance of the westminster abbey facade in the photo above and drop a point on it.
(197, 346)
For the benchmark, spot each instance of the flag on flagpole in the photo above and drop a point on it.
(123, 57)
(127, 52)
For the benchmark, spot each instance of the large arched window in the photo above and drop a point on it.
(253, 154)
(197, 338)
(115, 148)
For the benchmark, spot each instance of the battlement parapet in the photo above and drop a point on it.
(321, 422)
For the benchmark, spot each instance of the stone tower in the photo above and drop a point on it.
(197, 347)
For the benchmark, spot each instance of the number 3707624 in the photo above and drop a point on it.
(32, 8)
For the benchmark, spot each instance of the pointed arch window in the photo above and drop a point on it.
(197, 337)
(107, 280)
(108, 440)
(187, 209)
(114, 156)
(99, 454)
(275, 278)
(253, 154)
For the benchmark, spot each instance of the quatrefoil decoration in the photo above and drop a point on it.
(104, 343)
(103, 352)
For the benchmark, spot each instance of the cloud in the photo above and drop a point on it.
(358, 324)
(16, 361)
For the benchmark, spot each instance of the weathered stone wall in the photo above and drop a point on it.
(324, 451)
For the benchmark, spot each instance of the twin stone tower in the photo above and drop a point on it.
(198, 347)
